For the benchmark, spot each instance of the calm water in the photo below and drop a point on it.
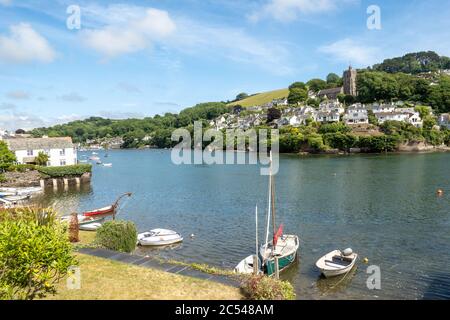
(384, 207)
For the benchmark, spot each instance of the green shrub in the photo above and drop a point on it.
(117, 235)
(2, 178)
(21, 167)
(261, 287)
(65, 171)
(35, 254)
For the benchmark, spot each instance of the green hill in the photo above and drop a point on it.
(262, 98)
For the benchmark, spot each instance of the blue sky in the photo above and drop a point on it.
(140, 58)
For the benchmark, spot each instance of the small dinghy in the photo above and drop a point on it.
(246, 266)
(159, 237)
(337, 262)
(93, 226)
(17, 198)
(107, 164)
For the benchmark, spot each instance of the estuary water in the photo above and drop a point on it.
(383, 206)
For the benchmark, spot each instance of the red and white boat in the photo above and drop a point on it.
(100, 212)
(106, 211)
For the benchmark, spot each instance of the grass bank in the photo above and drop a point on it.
(112, 280)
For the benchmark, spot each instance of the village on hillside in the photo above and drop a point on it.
(330, 110)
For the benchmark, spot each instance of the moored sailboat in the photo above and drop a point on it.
(283, 247)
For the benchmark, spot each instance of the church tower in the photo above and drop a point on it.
(350, 82)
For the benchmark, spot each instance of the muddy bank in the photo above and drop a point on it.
(21, 179)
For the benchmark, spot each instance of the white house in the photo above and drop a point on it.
(356, 114)
(408, 117)
(383, 108)
(332, 106)
(444, 120)
(328, 117)
(61, 151)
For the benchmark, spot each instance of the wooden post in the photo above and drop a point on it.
(74, 228)
(277, 268)
(255, 264)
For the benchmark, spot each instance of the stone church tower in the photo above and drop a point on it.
(350, 81)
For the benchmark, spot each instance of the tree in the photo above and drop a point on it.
(316, 85)
(273, 114)
(42, 159)
(297, 95)
(241, 96)
(7, 158)
(299, 85)
(333, 78)
(35, 254)
(20, 131)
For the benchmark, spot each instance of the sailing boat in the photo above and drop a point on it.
(283, 246)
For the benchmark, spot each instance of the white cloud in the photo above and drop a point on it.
(72, 97)
(128, 87)
(288, 10)
(18, 95)
(24, 45)
(233, 44)
(130, 32)
(350, 51)
(5, 2)
(12, 120)
(8, 106)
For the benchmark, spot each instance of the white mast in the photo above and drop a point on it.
(270, 203)
(256, 222)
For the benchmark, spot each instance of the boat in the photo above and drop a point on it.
(337, 262)
(83, 220)
(17, 198)
(246, 266)
(99, 162)
(283, 247)
(106, 211)
(5, 194)
(159, 237)
(107, 164)
(99, 212)
(94, 158)
(93, 226)
(94, 153)
(21, 191)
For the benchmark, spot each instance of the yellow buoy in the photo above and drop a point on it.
(365, 260)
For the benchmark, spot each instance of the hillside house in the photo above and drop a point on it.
(331, 94)
(444, 120)
(356, 114)
(61, 151)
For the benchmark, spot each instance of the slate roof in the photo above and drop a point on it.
(39, 143)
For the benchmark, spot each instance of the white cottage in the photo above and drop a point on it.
(356, 114)
(61, 151)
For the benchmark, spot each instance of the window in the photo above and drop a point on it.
(62, 162)
(62, 152)
(29, 153)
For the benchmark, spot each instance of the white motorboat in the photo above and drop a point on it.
(246, 266)
(159, 237)
(107, 164)
(337, 262)
(93, 226)
(21, 191)
(17, 198)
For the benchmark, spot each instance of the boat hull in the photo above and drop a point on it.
(283, 263)
(100, 212)
(330, 267)
(159, 237)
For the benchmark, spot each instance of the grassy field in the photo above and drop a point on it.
(262, 98)
(112, 280)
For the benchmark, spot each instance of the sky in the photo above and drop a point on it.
(141, 58)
